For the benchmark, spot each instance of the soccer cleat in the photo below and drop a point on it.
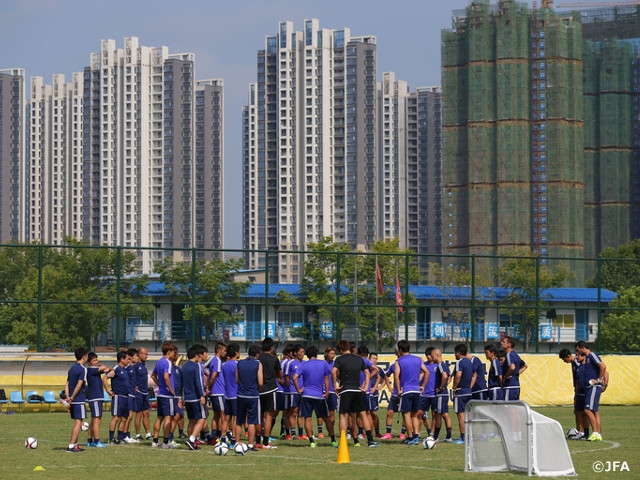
(167, 446)
(334, 444)
(129, 440)
(446, 440)
(253, 449)
(378, 435)
(90, 444)
(356, 444)
(148, 437)
(312, 444)
(458, 441)
(373, 444)
(288, 437)
(348, 436)
(99, 444)
(595, 437)
(578, 436)
(361, 436)
(413, 441)
(386, 436)
(155, 444)
(74, 449)
(320, 435)
(138, 437)
(269, 447)
(192, 445)
(403, 436)
(183, 435)
(212, 441)
(303, 437)
(174, 444)
(114, 441)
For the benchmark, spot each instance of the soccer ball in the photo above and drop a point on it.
(429, 443)
(572, 433)
(221, 449)
(240, 448)
(85, 426)
(31, 443)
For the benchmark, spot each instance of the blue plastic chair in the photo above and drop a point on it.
(31, 393)
(15, 397)
(49, 398)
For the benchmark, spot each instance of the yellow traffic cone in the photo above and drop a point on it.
(343, 448)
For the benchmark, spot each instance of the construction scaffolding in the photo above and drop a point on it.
(512, 131)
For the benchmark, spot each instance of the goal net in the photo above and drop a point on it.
(510, 436)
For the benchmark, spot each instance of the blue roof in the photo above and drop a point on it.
(428, 292)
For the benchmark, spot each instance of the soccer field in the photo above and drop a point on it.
(292, 459)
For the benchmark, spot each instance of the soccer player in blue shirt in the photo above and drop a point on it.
(195, 393)
(332, 398)
(216, 390)
(479, 390)
(441, 411)
(292, 398)
(76, 395)
(141, 405)
(96, 385)
(513, 366)
(133, 356)
(582, 422)
(314, 389)
(494, 380)
(463, 380)
(596, 380)
(428, 396)
(119, 398)
(162, 375)
(411, 377)
(250, 381)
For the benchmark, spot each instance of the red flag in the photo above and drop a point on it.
(379, 280)
(398, 294)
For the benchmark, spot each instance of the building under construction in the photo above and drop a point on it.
(540, 130)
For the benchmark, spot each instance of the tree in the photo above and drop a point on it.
(78, 288)
(450, 280)
(518, 272)
(211, 283)
(619, 267)
(621, 330)
(373, 316)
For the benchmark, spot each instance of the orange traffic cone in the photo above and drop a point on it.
(343, 448)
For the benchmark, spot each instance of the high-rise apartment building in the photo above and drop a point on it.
(12, 152)
(310, 166)
(150, 158)
(54, 163)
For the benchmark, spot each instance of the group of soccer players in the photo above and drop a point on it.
(590, 379)
(248, 395)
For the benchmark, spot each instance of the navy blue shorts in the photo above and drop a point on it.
(460, 402)
(195, 410)
(95, 406)
(230, 406)
(176, 405)
(280, 402)
(310, 405)
(141, 402)
(427, 403)
(410, 402)
(495, 394)
(78, 411)
(332, 401)
(393, 403)
(120, 406)
(374, 402)
(166, 407)
(442, 404)
(248, 410)
(217, 403)
(578, 402)
(592, 398)
(481, 395)
(512, 393)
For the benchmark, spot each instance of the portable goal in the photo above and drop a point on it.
(510, 436)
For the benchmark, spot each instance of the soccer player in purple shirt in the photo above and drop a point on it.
(292, 398)
(230, 390)
(441, 411)
(332, 398)
(463, 380)
(75, 396)
(216, 387)
(141, 404)
(428, 396)
(311, 381)
(411, 378)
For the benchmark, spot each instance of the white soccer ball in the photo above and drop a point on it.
(221, 449)
(572, 433)
(31, 443)
(429, 443)
(85, 426)
(240, 448)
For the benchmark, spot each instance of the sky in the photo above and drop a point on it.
(47, 37)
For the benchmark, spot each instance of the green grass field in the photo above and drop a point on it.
(293, 459)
